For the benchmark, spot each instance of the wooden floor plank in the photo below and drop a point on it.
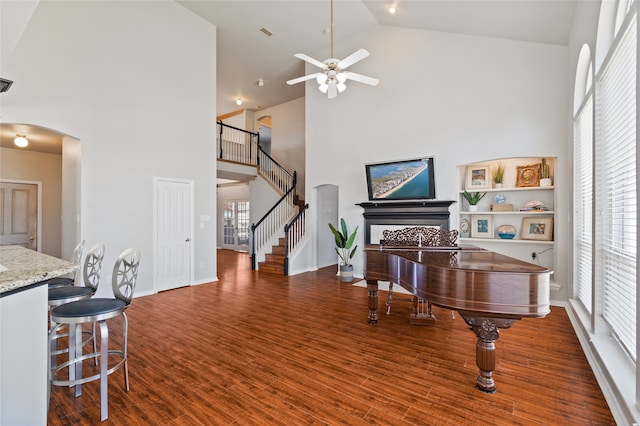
(259, 349)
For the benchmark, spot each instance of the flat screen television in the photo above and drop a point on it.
(401, 180)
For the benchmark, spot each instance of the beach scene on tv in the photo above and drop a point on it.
(401, 180)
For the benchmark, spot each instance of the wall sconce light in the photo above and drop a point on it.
(238, 101)
(21, 141)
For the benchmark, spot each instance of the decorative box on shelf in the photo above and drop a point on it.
(501, 207)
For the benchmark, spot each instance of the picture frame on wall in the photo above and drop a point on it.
(478, 177)
(527, 176)
(537, 228)
(481, 226)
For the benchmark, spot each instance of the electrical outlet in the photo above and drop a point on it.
(201, 265)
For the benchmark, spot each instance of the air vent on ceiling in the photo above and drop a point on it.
(266, 32)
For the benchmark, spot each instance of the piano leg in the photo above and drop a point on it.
(372, 288)
(487, 331)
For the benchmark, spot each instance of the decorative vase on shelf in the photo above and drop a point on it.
(498, 185)
(545, 182)
(473, 208)
(506, 232)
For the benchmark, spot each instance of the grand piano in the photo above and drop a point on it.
(490, 291)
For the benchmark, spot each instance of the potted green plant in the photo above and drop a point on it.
(498, 175)
(473, 198)
(344, 244)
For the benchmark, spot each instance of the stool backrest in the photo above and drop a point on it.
(93, 266)
(125, 274)
(76, 256)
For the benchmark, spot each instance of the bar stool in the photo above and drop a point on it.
(59, 295)
(74, 314)
(76, 257)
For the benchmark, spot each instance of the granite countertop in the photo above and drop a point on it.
(21, 267)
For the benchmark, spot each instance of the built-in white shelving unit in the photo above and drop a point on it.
(520, 186)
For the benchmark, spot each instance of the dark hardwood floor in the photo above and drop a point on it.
(256, 349)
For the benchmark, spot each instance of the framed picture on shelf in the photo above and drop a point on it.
(482, 226)
(528, 175)
(537, 228)
(478, 177)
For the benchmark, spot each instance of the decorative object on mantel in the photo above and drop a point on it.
(473, 198)
(528, 176)
(498, 175)
(344, 242)
(545, 177)
(506, 232)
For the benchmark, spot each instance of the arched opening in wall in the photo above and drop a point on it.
(264, 125)
(51, 160)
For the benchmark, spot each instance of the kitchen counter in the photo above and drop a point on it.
(24, 311)
(21, 268)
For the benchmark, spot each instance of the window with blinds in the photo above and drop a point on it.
(583, 202)
(616, 204)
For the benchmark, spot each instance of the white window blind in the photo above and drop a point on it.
(583, 202)
(616, 188)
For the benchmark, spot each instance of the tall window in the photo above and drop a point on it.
(583, 201)
(616, 204)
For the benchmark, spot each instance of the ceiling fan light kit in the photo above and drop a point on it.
(332, 78)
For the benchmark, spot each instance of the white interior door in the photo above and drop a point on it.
(174, 233)
(18, 214)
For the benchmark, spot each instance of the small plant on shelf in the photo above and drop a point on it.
(473, 198)
(545, 169)
(498, 174)
(545, 173)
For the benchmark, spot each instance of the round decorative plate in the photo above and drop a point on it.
(506, 232)
(500, 199)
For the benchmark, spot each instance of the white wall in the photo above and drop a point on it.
(459, 98)
(135, 83)
(288, 137)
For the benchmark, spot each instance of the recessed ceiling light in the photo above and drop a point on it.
(392, 10)
(21, 141)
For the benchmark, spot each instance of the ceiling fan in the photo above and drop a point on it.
(333, 76)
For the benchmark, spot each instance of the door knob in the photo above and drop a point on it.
(31, 237)
(188, 239)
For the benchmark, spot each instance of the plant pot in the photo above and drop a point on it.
(346, 273)
(498, 185)
(473, 208)
(545, 182)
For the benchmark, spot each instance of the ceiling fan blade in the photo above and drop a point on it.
(353, 58)
(301, 79)
(362, 78)
(310, 60)
(333, 89)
